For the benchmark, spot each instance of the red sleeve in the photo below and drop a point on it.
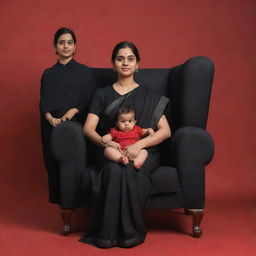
(139, 130)
(113, 133)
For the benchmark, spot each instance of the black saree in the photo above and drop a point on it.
(120, 192)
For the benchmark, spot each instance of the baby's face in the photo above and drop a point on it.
(126, 122)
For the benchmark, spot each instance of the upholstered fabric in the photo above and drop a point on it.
(180, 180)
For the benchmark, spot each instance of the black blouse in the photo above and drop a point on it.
(66, 86)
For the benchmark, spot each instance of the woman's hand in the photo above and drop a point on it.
(54, 121)
(115, 145)
(69, 114)
(132, 151)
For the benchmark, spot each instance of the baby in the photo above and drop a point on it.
(124, 134)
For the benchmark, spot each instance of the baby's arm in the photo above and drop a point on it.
(148, 132)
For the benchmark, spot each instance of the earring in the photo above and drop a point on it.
(137, 70)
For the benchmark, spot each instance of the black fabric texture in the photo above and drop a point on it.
(192, 148)
(164, 180)
(188, 151)
(119, 192)
(62, 87)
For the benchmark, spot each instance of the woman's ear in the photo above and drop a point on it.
(137, 66)
(113, 66)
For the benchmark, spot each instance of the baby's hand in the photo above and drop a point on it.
(150, 131)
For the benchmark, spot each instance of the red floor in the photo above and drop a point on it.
(229, 229)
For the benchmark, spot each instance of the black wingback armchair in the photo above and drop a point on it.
(180, 180)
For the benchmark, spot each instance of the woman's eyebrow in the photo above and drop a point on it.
(125, 56)
(66, 40)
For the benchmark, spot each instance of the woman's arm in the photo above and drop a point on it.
(89, 130)
(69, 114)
(163, 132)
(148, 131)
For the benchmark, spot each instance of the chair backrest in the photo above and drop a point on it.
(188, 86)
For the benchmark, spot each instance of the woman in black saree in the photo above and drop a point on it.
(66, 92)
(119, 191)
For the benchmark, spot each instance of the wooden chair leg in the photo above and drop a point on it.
(66, 218)
(197, 215)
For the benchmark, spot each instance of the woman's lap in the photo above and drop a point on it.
(119, 194)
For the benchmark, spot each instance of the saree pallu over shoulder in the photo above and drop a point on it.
(148, 105)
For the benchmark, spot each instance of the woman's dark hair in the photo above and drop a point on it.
(125, 44)
(62, 31)
(125, 110)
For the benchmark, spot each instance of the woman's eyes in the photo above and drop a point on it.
(130, 59)
(70, 42)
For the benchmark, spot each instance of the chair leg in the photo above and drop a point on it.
(197, 215)
(66, 218)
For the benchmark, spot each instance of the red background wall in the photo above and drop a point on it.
(167, 33)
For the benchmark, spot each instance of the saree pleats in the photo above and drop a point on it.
(119, 195)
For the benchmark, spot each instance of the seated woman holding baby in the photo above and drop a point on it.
(126, 122)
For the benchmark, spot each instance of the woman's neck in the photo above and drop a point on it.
(125, 85)
(126, 82)
(64, 61)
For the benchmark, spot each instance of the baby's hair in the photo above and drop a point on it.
(125, 110)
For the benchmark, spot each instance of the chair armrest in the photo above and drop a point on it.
(192, 148)
(68, 142)
(193, 144)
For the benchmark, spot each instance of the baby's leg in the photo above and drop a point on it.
(112, 154)
(115, 155)
(140, 159)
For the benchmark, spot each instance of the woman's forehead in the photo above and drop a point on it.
(66, 36)
(125, 52)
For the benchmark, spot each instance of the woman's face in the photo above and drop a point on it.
(65, 47)
(125, 63)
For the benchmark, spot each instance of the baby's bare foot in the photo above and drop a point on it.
(124, 160)
(137, 165)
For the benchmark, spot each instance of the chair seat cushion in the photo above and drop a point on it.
(164, 179)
